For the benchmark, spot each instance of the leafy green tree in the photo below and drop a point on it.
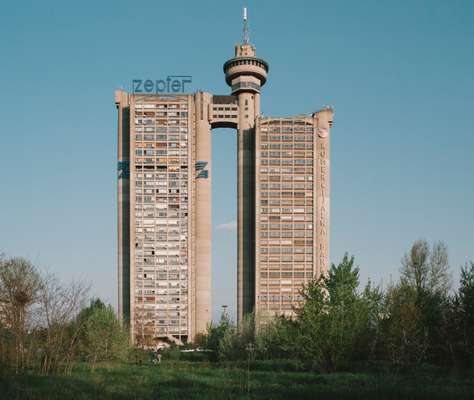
(404, 337)
(214, 334)
(102, 338)
(275, 339)
(371, 313)
(334, 318)
(234, 343)
(416, 307)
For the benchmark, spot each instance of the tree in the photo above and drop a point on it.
(427, 269)
(215, 333)
(334, 318)
(102, 337)
(233, 345)
(466, 294)
(276, 339)
(466, 306)
(59, 305)
(404, 338)
(417, 306)
(20, 283)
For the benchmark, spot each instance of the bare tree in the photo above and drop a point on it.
(427, 269)
(19, 287)
(58, 307)
(439, 279)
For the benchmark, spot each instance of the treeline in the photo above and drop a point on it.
(46, 326)
(418, 319)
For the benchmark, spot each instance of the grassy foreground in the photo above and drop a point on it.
(182, 380)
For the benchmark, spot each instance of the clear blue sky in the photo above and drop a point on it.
(400, 75)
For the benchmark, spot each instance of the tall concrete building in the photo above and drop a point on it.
(164, 202)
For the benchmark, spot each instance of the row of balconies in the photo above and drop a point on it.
(183, 205)
(150, 138)
(288, 274)
(286, 146)
(163, 129)
(286, 138)
(162, 299)
(285, 259)
(172, 188)
(302, 234)
(139, 292)
(161, 154)
(287, 153)
(166, 102)
(164, 268)
(294, 170)
(161, 213)
(284, 193)
(152, 238)
(161, 119)
(162, 198)
(287, 210)
(287, 179)
(161, 160)
(151, 178)
(162, 168)
(263, 296)
(162, 145)
(284, 202)
(151, 184)
(285, 161)
(275, 232)
(161, 236)
(162, 275)
(282, 249)
(163, 122)
(287, 226)
(289, 171)
(286, 129)
(287, 186)
(161, 113)
(160, 284)
(296, 283)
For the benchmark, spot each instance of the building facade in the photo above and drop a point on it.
(291, 208)
(164, 203)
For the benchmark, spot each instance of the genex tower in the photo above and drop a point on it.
(164, 203)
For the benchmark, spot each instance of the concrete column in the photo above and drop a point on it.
(246, 205)
(323, 121)
(123, 211)
(202, 229)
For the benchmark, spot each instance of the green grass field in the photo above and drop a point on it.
(183, 380)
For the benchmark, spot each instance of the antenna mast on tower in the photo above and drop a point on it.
(246, 28)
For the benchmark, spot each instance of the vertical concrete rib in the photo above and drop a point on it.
(323, 122)
(123, 211)
(203, 233)
(246, 205)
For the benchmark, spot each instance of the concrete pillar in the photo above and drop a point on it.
(246, 204)
(322, 124)
(123, 197)
(202, 228)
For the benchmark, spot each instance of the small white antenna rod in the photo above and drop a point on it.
(246, 28)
